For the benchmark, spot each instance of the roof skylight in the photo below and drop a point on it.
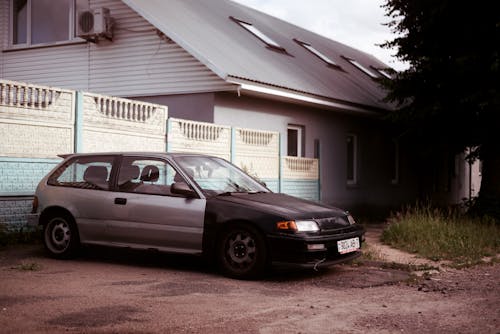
(317, 53)
(364, 69)
(385, 73)
(257, 33)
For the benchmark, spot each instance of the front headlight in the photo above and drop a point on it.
(298, 225)
(306, 226)
(351, 219)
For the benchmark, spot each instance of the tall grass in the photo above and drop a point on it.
(439, 234)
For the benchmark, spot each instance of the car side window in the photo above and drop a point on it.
(145, 176)
(84, 172)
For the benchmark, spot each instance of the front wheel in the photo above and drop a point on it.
(242, 252)
(60, 236)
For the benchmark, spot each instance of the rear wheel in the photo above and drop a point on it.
(60, 236)
(242, 252)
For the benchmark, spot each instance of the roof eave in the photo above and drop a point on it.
(302, 97)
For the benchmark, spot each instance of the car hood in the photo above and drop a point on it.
(286, 206)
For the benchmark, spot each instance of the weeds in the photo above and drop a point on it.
(28, 266)
(10, 236)
(439, 234)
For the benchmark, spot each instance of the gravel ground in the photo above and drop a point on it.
(116, 291)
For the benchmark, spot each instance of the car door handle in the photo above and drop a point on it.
(120, 201)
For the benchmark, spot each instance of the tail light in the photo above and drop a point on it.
(34, 206)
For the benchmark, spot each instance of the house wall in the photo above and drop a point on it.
(196, 107)
(153, 64)
(374, 190)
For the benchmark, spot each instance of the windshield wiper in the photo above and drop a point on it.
(228, 193)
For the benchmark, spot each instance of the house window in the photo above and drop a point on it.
(38, 22)
(395, 161)
(295, 141)
(362, 68)
(352, 159)
(259, 34)
(317, 53)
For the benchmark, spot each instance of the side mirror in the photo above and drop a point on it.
(182, 188)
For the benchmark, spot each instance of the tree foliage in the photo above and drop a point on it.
(449, 97)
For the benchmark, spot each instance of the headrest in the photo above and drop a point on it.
(128, 173)
(150, 173)
(95, 173)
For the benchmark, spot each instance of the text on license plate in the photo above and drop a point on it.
(348, 245)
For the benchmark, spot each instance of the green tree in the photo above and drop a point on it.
(449, 97)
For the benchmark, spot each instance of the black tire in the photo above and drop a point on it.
(242, 252)
(60, 236)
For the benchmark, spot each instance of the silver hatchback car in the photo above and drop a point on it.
(187, 203)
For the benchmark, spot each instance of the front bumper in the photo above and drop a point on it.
(293, 250)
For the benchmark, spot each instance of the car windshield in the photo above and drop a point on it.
(216, 176)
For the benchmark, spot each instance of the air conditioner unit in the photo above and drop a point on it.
(94, 23)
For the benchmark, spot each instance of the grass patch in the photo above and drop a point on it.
(28, 266)
(438, 234)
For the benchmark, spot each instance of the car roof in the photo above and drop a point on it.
(133, 153)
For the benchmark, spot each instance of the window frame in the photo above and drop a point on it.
(72, 38)
(327, 60)
(257, 33)
(300, 139)
(355, 179)
(145, 191)
(52, 179)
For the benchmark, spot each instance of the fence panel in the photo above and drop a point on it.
(257, 153)
(199, 137)
(35, 121)
(301, 177)
(117, 124)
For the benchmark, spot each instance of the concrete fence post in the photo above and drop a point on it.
(233, 144)
(78, 129)
(169, 135)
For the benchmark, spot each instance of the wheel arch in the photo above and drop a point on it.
(53, 211)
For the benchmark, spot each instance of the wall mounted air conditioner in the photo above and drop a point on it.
(94, 23)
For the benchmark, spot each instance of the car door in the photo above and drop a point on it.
(147, 215)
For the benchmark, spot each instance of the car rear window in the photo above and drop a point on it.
(84, 172)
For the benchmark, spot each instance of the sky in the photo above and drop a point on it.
(357, 23)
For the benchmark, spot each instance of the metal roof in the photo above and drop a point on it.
(205, 29)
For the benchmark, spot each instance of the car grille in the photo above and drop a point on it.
(337, 224)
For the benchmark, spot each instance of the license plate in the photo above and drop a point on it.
(348, 245)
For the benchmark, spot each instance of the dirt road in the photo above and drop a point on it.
(112, 291)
